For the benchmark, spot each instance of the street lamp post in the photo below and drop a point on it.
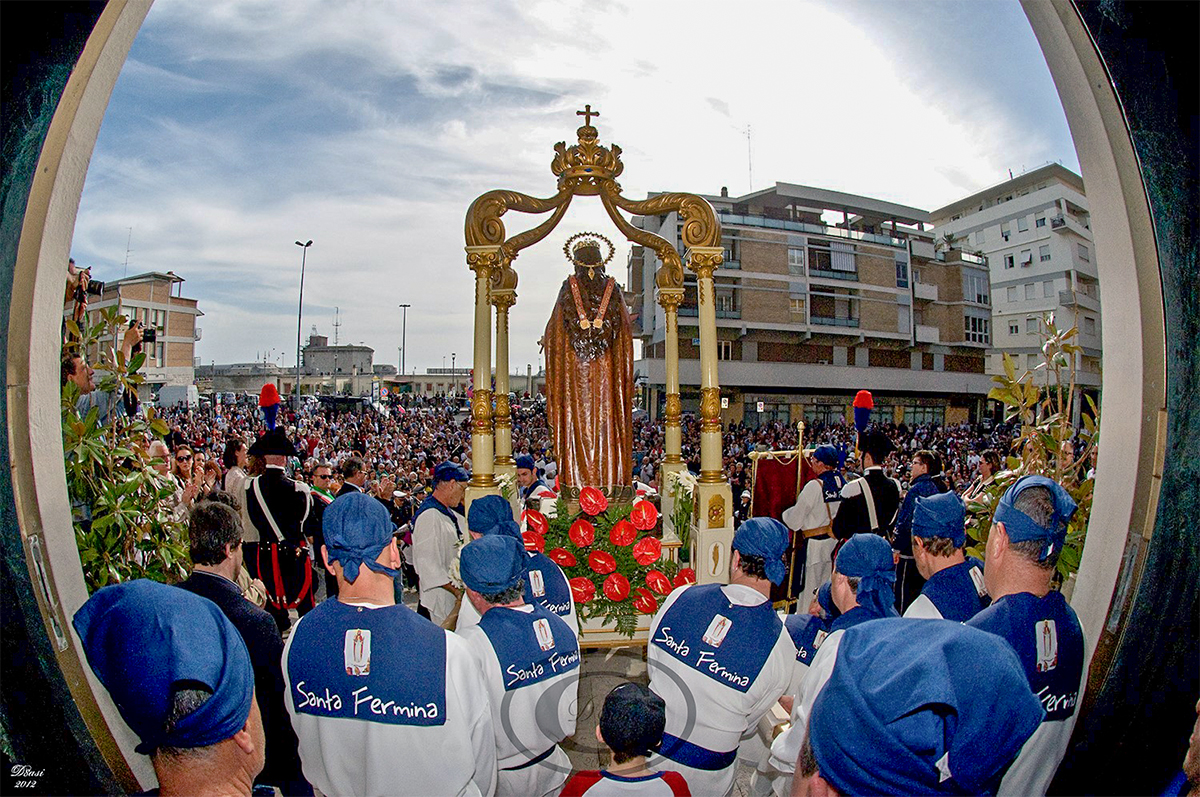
(299, 313)
(454, 373)
(404, 335)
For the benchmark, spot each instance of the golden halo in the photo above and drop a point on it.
(595, 236)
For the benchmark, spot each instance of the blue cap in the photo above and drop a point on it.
(868, 557)
(450, 472)
(825, 601)
(942, 515)
(492, 564)
(765, 537)
(492, 514)
(525, 461)
(826, 455)
(357, 527)
(142, 638)
(921, 707)
(1020, 527)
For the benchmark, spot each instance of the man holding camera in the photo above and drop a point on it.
(75, 369)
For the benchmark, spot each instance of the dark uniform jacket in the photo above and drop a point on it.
(288, 501)
(852, 516)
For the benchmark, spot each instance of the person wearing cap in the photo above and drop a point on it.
(383, 701)
(954, 586)
(631, 725)
(529, 658)
(529, 483)
(181, 678)
(916, 707)
(276, 543)
(812, 518)
(861, 589)
(869, 503)
(1027, 535)
(741, 513)
(545, 583)
(720, 658)
(927, 480)
(438, 529)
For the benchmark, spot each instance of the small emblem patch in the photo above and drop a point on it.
(717, 630)
(818, 639)
(977, 580)
(545, 637)
(357, 651)
(1046, 639)
(537, 583)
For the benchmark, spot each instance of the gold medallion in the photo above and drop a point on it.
(584, 323)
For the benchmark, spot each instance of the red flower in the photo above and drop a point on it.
(602, 562)
(686, 576)
(592, 501)
(647, 551)
(562, 557)
(622, 533)
(582, 533)
(582, 589)
(536, 521)
(656, 581)
(534, 541)
(644, 516)
(616, 587)
(645, 603)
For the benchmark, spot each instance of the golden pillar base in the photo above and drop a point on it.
(712, 532)
(475, 491)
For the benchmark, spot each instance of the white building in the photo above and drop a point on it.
(1035, 232)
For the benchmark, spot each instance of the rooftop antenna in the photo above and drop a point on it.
(128, 239)
(749, 157)
(337, 323)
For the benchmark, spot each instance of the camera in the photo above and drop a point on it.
(149, 334)
(93, 288)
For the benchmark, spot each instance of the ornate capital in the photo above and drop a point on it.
(484, 260)
(670, 299)
(674, 410)
(502, 299)
(503, 415)
(703, 260)
(481, 412)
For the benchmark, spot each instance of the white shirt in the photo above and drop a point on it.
(786, 747)
(810, 510)
(435, 541)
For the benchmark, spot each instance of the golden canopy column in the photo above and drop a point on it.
(714, 499)
(484, 261)
(503, 296)
(670, 299)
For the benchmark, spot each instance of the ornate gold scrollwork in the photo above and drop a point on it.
(703, 261)
(673, 413)
(483, 260)
(716, 511)
(670, 300)
(504, 285)
(581, 167)
(503, 414)
(481, 412)
(710, 409)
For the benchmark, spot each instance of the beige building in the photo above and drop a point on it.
(823, 294)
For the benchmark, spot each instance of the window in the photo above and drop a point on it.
(1008, 261)
(1089, 325)
(975, 287)
(843, 256)
(1048, 289)
(904, 321)
(902, 269)
(1039, 221)
(1083, 253)
(1022, 224)
(977, 326)
(796, 262)
(1044, 253)
(819, 256)
(798, 306)
(1012, 293)
(1030, 290)
(918, 415)
(731, 250)
(1026, 257)
(836, 309)
(725, 303)
(724, 349)
(1004, 230)
(1014, 328)
(158, 353)
(1031, 325)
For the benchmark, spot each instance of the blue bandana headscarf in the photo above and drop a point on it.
(492, 514)
(827, 455)
(941, 515)
(492, 564)
(525, 461)
(357, 528)
(765, 537)
(141, 638)
(825, 601)
(1020, 527)
(868, 557)
(921, 707)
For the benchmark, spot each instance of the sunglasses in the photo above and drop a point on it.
(183, 458)
(322, 475)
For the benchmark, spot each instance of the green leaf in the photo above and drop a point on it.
(136, 362)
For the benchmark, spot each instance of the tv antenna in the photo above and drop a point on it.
(337, 323)
(128, 240)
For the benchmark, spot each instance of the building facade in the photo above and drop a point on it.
(823, 294)
(1035, 232)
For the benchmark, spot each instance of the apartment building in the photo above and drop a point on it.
(823, 294)
(1034, 230)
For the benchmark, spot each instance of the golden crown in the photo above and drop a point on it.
(582, 166)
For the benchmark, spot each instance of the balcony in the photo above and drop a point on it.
(751, 220)
(831, 274)
(925, 291)
(834, 322)
(1081, 300)
(927, 334)
(1067, 223)
(694, 312)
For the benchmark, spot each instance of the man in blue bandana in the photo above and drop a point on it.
(529, 483)
(1028, 531)
(812, 519)
(181, 678)
(545, 583)
(863, 578)
(916, 707)
(720, 657)
(954, 584)
(530, 660)
(438, 529)
(372, 688)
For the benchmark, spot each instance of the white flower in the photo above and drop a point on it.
(455, 568)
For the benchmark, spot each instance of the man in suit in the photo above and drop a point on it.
(869, 503)
(215, 539)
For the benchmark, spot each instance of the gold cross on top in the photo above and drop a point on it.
(587, 113)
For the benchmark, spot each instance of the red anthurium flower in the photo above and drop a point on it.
(616, 587)
(534, 541)
(686, 576)
(582, 533)
(562, 557)
(622, 533)
(536, 521)
(592, 501)
(656, 581)
(644, 516)
(645, 603)
(582, 589)
(647, 551)
(602, 562)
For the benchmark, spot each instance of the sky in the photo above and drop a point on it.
(240, 126)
